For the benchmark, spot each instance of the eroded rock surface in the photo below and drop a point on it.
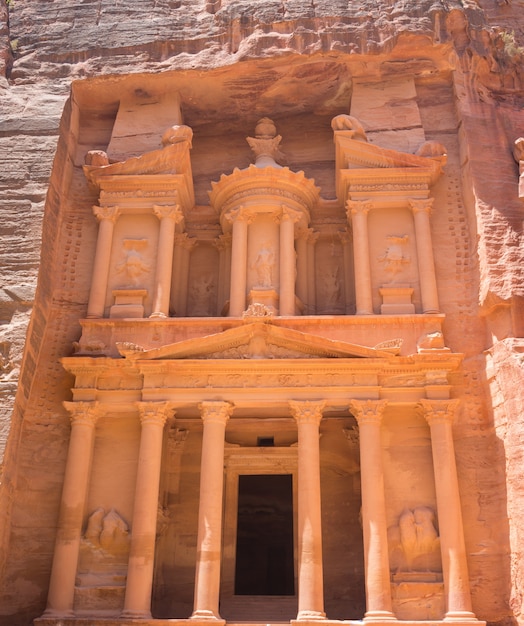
(409, 71)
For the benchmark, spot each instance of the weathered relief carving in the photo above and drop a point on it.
(202, 296)
(414, 543)
(103, 550)
(330, 289)
(394, 257)
(133, 266)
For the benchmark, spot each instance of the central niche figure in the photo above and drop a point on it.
(263, 265)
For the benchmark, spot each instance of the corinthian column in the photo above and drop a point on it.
(426, 264)
(207, 583)
(137, 603)
(346, 239)
(169, 217)
(240, 219)
(368, 414)
(107, 217)
(288, 267)
(310, 581)
(76, 481)
(439, 415)
(358, 211)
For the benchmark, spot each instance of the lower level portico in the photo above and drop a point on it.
(327, 468)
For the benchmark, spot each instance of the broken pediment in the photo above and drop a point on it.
(257, 340)
(150, 174)
(363, 167)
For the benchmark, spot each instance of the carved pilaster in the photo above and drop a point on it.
(346, 238)
(179, 286)
(223, 245)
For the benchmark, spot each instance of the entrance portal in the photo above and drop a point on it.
(264, 546)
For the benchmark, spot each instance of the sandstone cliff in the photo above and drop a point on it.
(465, 60)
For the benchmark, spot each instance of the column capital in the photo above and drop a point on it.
(168, 211)
(358, 207)
(184, 241)
(240, 214)
(108, 213)
(439, 411)
(289, 215)
(422, 206)
(154, 412)
(368, 411)
(308, 411)
(215, 411)
(84, 413)
(223, 242)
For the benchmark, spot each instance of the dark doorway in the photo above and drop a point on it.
(264, 550)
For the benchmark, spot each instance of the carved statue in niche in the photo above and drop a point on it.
(414, 544)
(394, 258)
(263, 265)
(104, 550)
(202, 295)
(330, 288)
(133, 266)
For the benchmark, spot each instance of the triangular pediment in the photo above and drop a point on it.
(257, 340)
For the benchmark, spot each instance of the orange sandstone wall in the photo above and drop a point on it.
(461, 66)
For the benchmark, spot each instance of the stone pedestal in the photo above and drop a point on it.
(396, 300)
(267, 297)
(128, 303)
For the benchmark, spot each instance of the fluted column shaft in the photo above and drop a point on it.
(287, 261)
(369, 414)
(137, 603)
(107, 217)
(358, 213)
(439, 415)
(310, 574)
(169, 216)
(426, 263)
(209, 540)
(74, 493)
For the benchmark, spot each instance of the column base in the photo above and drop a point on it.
(460, 616)
(158, 315)
(379, 616)
(203, 614)
(54, 613)
(136, 614)
(310, 616)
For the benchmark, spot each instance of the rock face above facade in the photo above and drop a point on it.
(76, 77)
